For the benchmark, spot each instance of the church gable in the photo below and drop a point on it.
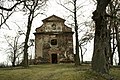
(53, 24)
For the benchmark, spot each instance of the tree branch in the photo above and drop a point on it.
(5, 19)
(10, 9)
(65, 7)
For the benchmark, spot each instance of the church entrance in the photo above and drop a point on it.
(54, 58)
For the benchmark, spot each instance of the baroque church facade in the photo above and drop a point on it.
(53, 41)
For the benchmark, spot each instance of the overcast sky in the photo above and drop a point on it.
(53, 8)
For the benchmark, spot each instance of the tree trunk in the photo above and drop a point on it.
(113, 45)
(101, 52)
(15, 51)
(77, 57)
(111, 58)
(81, 53)
(118, 42)
(30, 19)
(14, 59)
(110, 49)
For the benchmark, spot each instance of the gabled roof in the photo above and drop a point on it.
(53, 18)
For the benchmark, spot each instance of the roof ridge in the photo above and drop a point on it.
(53, 16)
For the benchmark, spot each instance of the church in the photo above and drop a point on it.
(53, 41)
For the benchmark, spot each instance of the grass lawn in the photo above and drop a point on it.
(54, 72)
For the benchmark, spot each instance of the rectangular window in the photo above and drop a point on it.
(54, 42)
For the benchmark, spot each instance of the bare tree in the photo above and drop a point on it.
(83, 41)
(74, 7)
(15, 48)
(32, 7)
(114, 27)
(75, 24)
(115, 6)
